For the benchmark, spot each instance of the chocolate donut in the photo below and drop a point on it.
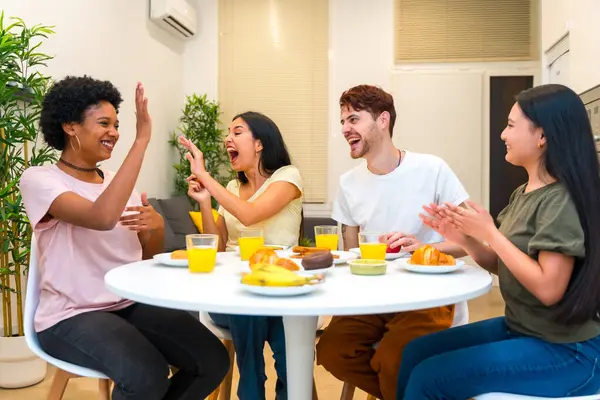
(317, 260)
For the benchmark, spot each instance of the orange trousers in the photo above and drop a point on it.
(346, 349)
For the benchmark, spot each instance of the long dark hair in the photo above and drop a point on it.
(274, 154)
(571, 159)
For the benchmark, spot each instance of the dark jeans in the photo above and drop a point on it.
(134, 348)
(249, 334)
(486, 357)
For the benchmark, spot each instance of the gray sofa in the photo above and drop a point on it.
(175, 211)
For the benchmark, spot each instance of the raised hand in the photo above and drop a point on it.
(143, 121)
(145, 218)
(195, 157)
(196, 191)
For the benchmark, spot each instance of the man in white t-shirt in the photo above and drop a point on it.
(385, 195)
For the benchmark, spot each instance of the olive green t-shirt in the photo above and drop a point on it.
(544, 219)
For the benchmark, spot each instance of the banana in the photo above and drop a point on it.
(271, 268)
(272, 275)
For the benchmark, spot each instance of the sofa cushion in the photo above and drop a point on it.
(311, 222)
(169, 234)
(175, 211)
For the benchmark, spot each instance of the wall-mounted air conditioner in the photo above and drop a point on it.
(175, 16)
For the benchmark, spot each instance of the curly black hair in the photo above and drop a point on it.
(67, 100)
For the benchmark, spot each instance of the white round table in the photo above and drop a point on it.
(342, 293)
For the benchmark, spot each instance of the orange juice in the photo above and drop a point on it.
(202, 259)
(373, 251)
(249, 245)
(327, 240)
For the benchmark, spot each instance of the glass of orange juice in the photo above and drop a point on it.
(202, 252)
(372, 245)
(250, 240)
(326, 236)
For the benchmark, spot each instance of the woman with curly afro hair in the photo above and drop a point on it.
(76, 210)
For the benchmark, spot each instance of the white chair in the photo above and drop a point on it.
(461, 317)
(223, 392)
(65, 370)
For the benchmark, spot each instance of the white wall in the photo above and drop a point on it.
(114, 40)
(361, 51)
(201, 57)
(579, 18)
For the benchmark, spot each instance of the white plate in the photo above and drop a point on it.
(430, 269)
(237, 248)
(388, 256)
(315, 271)
(277, 291)
(343, 256)
(165, 259)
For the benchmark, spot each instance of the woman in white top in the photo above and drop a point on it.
(267, 193)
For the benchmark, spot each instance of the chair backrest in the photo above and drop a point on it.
(32, 299)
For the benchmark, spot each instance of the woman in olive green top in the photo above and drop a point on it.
(546, 253)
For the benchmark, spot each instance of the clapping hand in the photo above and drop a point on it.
(475, 222)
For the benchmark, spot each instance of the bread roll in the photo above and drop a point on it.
(179, 255)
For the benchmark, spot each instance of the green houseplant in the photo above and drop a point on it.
(22, 89)
(200, 123)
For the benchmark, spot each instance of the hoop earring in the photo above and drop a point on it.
(78, 145)
(540, 145)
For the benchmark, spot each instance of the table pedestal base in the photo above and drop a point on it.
(300, 352)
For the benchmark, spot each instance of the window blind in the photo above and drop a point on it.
(273, 58)
(465, 30)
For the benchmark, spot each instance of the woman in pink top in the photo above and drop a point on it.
(77, 213)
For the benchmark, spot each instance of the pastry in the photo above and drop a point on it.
(179, 255)
(306, 250)
(287, 264)
(317, 260)
(429, 255)
(263, 256)
(302, 251)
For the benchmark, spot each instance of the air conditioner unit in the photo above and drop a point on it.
(175, 16)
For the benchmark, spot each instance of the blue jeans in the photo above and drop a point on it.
(485, 357)
(249, 334)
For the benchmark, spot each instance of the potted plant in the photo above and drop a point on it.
(200, 123)
(22, 89)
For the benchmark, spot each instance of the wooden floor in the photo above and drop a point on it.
(488, 306)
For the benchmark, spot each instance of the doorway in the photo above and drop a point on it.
(504, 177)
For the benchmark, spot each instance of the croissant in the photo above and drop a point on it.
(429, 255)
(263, 256)
(287, 264)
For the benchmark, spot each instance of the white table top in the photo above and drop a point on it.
(342, 293)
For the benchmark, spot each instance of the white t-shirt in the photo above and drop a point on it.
(392, 202)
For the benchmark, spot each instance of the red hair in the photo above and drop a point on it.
(372, 99)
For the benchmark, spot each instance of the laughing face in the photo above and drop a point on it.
(524, 142)
(360, 130)
(243, 149)
(97, 134)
